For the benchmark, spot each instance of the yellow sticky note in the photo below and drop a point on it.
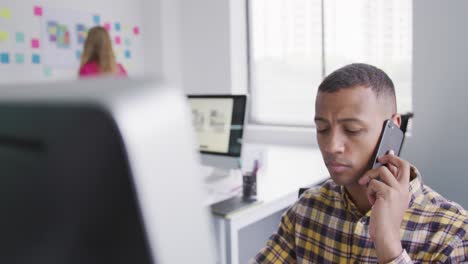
(52, 30)
(129, 66)
(3, 36)
(5, 13)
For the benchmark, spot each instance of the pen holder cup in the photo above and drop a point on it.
(249, 186)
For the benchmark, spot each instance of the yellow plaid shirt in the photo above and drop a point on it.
(325, 226)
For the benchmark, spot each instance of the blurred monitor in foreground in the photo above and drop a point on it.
(100, 171)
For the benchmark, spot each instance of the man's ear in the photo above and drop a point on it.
(396, 118)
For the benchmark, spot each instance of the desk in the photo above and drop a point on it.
(227, 228)
(242, 233)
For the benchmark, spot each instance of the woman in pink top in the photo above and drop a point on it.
(98, 57)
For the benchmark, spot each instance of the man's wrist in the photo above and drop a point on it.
(387, 252)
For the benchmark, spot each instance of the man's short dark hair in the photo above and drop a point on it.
(359, 74)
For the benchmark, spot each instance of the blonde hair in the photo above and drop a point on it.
(98, 48)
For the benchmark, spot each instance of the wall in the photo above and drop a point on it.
(205, 38)
(203, 45)
(127, 12)
(214, 56)
(163, 39)
(439, 144)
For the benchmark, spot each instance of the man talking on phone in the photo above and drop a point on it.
(364, 215)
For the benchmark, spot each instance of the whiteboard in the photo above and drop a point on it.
(32, 46)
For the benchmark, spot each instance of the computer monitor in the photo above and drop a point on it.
(219, 124)
(100, 171)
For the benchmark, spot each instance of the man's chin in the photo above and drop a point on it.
(344, 179)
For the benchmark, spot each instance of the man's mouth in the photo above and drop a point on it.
(337, 167)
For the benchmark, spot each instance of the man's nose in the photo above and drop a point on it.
(335, 143)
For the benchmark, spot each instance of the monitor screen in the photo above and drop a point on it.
(219, 121)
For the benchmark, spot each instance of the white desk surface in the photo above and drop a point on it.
(283, 172)
(268, 206)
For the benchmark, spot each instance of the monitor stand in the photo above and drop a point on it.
(217, 174)
(222, 177)
(221, 184)
(219, 167)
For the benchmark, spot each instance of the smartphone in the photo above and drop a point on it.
(391, 138)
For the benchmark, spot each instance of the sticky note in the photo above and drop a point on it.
(38, 10)
(36, 59)
(52, 30)
(96, 19)
(35, 43)
(47, 71)
(136, 30)
(19, 58)
(5, 13)
(127, 42)
(107, 26)
(118, 40)
(117, 26)
(4, 36)
(78, 54)
(4, 58)
(52, 27)
(65, 41)
(126, 28)
(129, 66)
(19, 37)
(128, 54)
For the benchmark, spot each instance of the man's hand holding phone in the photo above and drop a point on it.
(389, 197)
(388, 192)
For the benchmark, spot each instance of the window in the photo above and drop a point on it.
(295, 43)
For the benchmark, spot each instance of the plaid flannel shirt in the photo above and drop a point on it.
(325, 226)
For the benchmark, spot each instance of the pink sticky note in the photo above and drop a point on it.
(118, 40)
(107, 26)
(34, 43)
(38, 10)
(136, 30)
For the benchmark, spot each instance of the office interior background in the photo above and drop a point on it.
(277, 52)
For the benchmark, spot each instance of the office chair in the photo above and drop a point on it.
(405, 120)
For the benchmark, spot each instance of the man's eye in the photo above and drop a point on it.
(322, 130)
(353, 131)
